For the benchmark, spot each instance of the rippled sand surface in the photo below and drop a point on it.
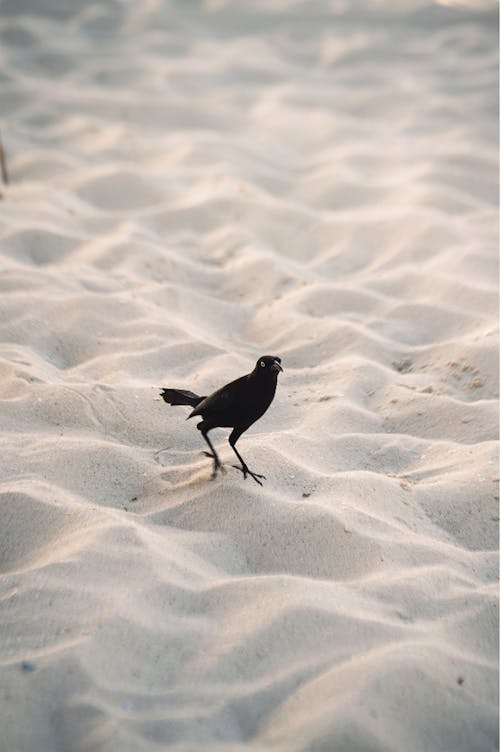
(192, 185)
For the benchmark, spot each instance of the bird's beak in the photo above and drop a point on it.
(276, 366)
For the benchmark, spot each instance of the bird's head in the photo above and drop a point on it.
(268, 364)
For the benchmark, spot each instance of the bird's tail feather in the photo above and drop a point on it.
(181, 397)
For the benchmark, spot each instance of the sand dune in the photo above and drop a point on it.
(192, 185)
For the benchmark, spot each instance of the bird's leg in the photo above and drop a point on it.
(213, 454)
(233, 438)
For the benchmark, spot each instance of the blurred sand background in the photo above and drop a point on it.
(193, 185)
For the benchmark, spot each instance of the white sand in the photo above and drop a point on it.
(192, 185)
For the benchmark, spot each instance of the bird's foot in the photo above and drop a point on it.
(217, 465)
(216, 469)
(246, 471)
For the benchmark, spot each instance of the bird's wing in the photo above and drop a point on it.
(219, 401)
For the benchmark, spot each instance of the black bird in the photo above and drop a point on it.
(236, 405)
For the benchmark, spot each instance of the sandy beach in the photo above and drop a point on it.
(192, 185)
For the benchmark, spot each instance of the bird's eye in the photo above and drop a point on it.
(263, 364)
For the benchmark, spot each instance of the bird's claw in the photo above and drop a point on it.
(246, 471)
(217, 465)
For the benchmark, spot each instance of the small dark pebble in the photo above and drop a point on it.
(460, 680)
(27, 666)
(403, 366)
(134, 498)
(306, 494)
